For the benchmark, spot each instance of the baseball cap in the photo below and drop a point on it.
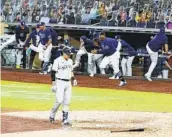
(37, 25)
(83, 38)
(42, 24)
(22, 23)
(102, 33)
(67, 51)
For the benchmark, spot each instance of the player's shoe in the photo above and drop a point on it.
(52, 120)
(91, 75)
(148, 78)
(43, 73)
(122, 83)
(113, 77)
(66, 123)
(18, 66)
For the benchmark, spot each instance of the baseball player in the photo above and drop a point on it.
(86, 46)
(62, 74)
(110, 48)
(153, 47)
(44, 47)
(21, 35)
(163, 66)
(34, 36)
(127, 60)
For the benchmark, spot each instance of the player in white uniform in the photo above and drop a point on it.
(62, 74)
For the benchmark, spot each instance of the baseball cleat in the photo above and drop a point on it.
(113, 77)
(91, 75)
(66, 123)
(51, 120)
(43, 73)
(148, 78)
(122, 83)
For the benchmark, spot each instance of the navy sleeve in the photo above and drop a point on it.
(28, 40)
(106, 50)
(27, 30)
(17, 34)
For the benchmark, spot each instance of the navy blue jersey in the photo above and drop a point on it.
(54, 35)
(21, 33)
(158, 42)
(33, 37)
(128, 49)
(108, 47)
(89, 45)
(45, 36)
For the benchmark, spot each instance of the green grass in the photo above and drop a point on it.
(28, 96)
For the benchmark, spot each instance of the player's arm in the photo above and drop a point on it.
(54, 70)
(17, 34)
(49, 38)
(28, 40)
(166, 45)
(27, 33)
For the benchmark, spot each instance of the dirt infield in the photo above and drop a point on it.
(86, 81)
(12, 124)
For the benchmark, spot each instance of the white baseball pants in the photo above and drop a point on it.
(19, 53)
(63, 96)
(126, 65)
(154, 60)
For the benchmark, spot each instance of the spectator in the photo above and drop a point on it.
(94, 12)
(104, 20)
(120, 12)
(142, 21)
(86, 17)
(113, 21)
(161, 22)
(102, 9)
(78, 18)
(45, 19)
(70, 18)
(169, 24)
(132, 21)
(151, 23)
(18, 17)
(115, 6)
(54, 18)
(122, 22)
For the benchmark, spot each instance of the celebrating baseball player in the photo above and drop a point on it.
(110, 48)
(21, 34)
(86, 47)
(128, 59)
(62, 74)
(34, 36)
(153, 47)
(44, 47)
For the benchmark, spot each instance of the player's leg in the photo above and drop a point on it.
(114, 59)
(47, 56)
(81, 52)
(104, 63)
(98, 58)
(60, 88)
(124, 66)
(91, 64)
(165, 73)
(129, 65)
(32, 56)
(66, 103)
(154, 59)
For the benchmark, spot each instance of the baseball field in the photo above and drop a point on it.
(26, 100)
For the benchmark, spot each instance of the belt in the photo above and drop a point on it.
(63, 79)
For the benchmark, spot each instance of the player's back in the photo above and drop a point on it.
(157, 42)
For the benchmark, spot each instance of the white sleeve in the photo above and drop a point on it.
(55, 65)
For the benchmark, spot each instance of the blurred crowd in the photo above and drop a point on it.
(123, 13)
